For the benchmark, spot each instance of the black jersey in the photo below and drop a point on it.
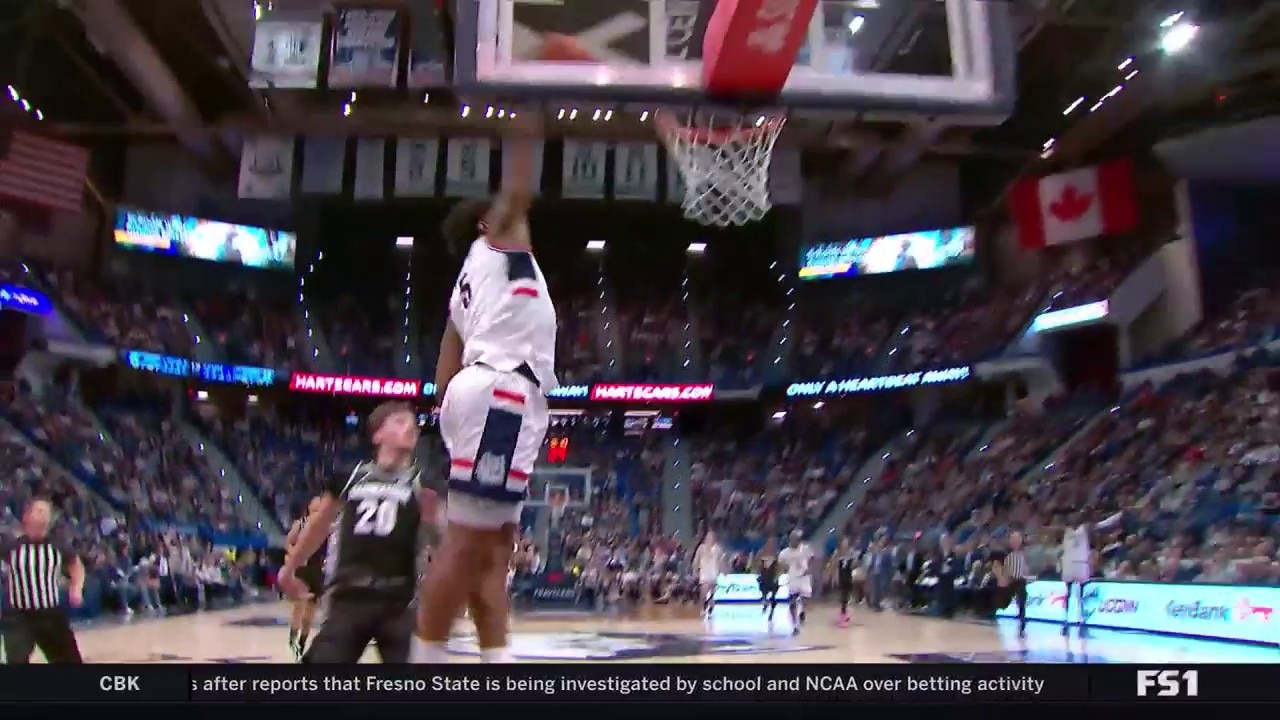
(845, 565)
(315, 563)
(768, 576)
(373, 545)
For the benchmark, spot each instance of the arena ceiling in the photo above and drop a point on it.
(103, 71)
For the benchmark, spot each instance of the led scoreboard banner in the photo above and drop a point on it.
(558, 450)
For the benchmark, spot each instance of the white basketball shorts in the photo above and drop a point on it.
(800, 586)
(492, 423)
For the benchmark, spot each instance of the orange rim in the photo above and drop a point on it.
(713, 135)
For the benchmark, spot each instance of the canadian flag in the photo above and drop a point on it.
(1076, 205)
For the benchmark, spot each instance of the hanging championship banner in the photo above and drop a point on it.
(467, 168)
(675, 182)
(266, 168)
(416, 167)
(286, 53)
(426, 49)
(370, 178)
(322, 165)
(366, 48)
(584, 164)
(535, 172)
(635, 171)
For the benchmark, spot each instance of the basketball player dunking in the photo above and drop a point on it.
(497, 362)
(374, 516)
(709, 561)
(312, 576)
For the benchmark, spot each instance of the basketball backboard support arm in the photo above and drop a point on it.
(981, 85)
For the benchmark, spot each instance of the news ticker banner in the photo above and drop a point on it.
(611, 682)
(1224, 612)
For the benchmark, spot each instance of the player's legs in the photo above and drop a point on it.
(493, 424)
(345, 632)
(707, 587)
(393, 632)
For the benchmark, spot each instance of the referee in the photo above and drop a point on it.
(1015, 573)
(35, 616)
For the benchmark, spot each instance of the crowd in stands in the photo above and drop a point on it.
(251, 331)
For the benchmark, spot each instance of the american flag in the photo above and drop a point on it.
(42, 173)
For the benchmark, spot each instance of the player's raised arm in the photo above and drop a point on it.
(509, 208)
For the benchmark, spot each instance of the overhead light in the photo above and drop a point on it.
(1072, 107)
(353, 97)
(1127, 62)
(697, 248)
(818, 405)
(595, 245)
(608, 115)
(1130, 76)
(595, 117)
(1169, 21)
(1113, 92)
(488, 112)
(404, 242)
(573, 114)
(1178, 37)
(1049, 143)
(644, 116)
(1096, 106)
(346, 109)
(466, 110)
(426, 98)
(560, 115)
(856, 24)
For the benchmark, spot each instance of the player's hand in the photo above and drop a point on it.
(289, 583)
(76, 597)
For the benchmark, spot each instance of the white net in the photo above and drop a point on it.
(724, 160)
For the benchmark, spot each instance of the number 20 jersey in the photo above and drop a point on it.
(373, 546)
(503, 312)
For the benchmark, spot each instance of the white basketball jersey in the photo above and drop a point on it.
(709, 559)
(1075, 546)
(503, 312)
(796, 560)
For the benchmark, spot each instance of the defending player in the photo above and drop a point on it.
(767, 577)
(797, 562)
(371, 567)
(497, 360)
(312, 576)
(846, 561)
(709, 561)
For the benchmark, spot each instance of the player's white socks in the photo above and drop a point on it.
(422, 652)
(494, 656)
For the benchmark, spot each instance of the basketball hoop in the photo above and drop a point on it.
(724, 160)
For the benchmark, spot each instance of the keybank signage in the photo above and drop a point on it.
(878, 383)
(1227, 612)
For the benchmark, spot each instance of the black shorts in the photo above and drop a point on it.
(767, 591)
(349, 626)
(313, 578)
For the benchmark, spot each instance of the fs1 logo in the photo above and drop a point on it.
(1169, 683)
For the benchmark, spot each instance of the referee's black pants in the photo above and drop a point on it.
(49, 630)
(1018, 587)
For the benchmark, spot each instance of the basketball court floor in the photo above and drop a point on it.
(258, 633)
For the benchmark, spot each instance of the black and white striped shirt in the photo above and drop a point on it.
(33, 569)
(1015, 564)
